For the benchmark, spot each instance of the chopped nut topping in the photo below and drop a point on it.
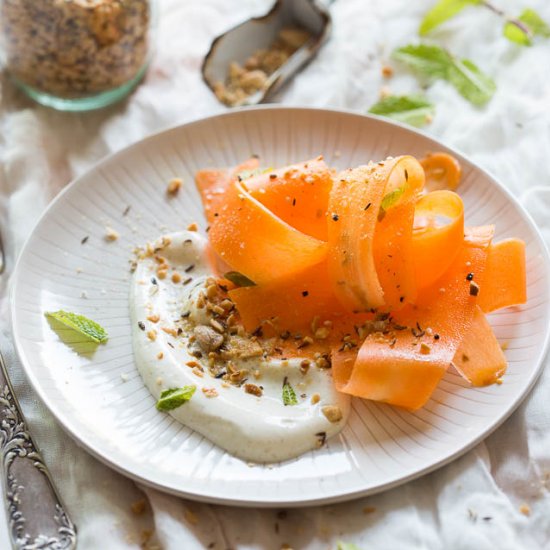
(162, 271)
(170, 330)
(207, 338)
(333, 413)
(243, 81)
(322, 333)
(192, 364)
(198, 371)
(152, 335)
(253, 389)
(154, 318)
(176, 278)
(174, 185)
(160, 355)
(387, 72)
(210, 392)
(227, 305)
(193, 227)
(315, 398)
(191, 517)
(139, 506)
(216, 325)
(110, 234)
(525, 509)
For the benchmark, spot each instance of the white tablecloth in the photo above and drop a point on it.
(475, 502)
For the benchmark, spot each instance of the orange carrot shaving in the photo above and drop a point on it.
(505, 281)
(212, 184)
(479, 358)
(297, 194)
(253, 241)
(404, 366)
(442, 171)
(437, 236)
(360, 201)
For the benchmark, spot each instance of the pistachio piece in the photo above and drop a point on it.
(207, 338)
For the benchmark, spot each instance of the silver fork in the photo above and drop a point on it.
(36, 516)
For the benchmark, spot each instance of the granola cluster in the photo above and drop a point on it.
(75, 48)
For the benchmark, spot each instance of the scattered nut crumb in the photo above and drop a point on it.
(315, 398)
(197, 371)
(152, 335)
(193, 227)
(174, 185)
(176, 278)
(384, 92)
(525, 509)
(387, 71)
(138, 507)
(253, 389)
(322, 333)
(333, 413)
(210, 392)
(169, 330)
(153, 318)
(111, 234)
(160, 355)
(191, 517)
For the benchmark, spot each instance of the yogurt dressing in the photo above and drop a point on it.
(255, 428)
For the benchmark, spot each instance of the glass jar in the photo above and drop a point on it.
(76, 55)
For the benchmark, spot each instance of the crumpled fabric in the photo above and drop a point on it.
(496, 495)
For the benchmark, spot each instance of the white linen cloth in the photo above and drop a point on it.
(473, 503)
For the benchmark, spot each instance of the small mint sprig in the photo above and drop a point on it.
(89, 329)
(415, 110)
(289, 395)
(175, 397)
(434, 62)
(520, 30)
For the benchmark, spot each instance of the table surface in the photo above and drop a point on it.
(496, 492)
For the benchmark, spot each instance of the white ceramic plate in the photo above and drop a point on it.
(116, 420)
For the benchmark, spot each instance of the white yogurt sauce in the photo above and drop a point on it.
(258, 429)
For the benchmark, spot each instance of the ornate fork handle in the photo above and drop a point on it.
(37, 519)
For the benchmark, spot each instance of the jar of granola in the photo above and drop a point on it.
(76, 55)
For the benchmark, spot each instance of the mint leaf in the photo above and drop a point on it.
(238, 279)
(470, 82)
(392, 198)
(435, 62)
(289, 395)
(88, 328)
(513, 33)
(536, 24)
(175, 397)
(441, 12)
(431, 61)
(347, 546)
(414, 109)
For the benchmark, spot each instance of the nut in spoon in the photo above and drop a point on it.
(243, 41)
